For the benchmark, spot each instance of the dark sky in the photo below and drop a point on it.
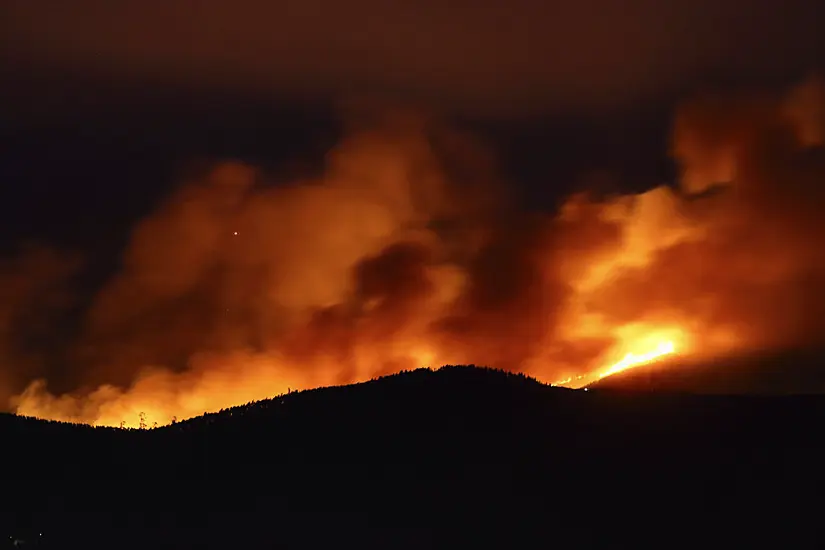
(519, 57)
(103, 102)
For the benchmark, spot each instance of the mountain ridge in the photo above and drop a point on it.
(461, 454)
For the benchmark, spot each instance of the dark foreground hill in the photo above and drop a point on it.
(457, 458)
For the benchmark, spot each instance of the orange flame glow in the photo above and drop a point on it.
(640, 348)
(632, 360)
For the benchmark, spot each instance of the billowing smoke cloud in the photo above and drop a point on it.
(753, 190)
(407, 253)
(33, 295)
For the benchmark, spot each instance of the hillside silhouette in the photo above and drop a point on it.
(457, 457)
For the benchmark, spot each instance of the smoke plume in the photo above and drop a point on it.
(33, 295)
(408, 253)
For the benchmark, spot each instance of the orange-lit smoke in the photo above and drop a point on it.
(33, 293)
(407, 253)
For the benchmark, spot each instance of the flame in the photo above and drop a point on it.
(632, 360)
(640, 345)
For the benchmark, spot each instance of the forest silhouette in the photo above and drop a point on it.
(460, 456)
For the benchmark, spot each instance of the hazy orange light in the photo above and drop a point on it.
(632, 360)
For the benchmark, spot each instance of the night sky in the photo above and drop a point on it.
(102, 103)
(106, 106)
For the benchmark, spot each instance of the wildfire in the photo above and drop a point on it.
(233, 291)
(639, 345)
(632, 360)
